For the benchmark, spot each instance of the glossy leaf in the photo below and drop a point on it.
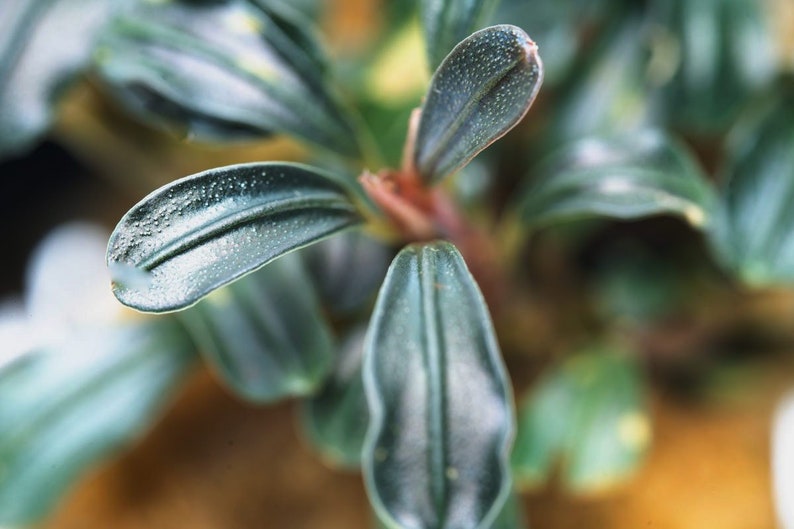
(721, 54)
(590, 413)
(755, 235)
(447, 22)
(348, 269)
(336, 419)
(633, 176)
(265, 335)
(203, 231)
(44, 44)
(482, 89)
(440, 402)
(224, 69)
(68, 406)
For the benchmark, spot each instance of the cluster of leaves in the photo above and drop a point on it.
(417, 393)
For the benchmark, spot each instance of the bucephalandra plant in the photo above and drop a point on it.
(440, 405)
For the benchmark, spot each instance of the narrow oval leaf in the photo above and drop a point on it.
(591, 414)
(44, 44)
(206, 230)
(646, 173)
(447, 22)
(722, 55)
(265, 335)
(335, 420)
(440, 402)
(65, 408)
(755, 234)
(224, 69)
(481, 90)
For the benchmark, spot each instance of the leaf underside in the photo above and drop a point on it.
(440, 403)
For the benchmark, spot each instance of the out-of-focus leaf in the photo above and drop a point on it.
(720, 53)
(66, 407)
(447, 22)
(264, 334)
(608, 93)
(224, 69)
(204, 231)
(481, 90)
(440, 405)
(590, 413)
(632, 176)
(44, 44)
(336, 419)
(348, 269)
(512, 515)
(755, 233)
(783, 461)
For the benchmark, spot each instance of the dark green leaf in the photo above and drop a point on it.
(206, 230)
(43, 45)
(645, 173)
(720, 52)
(348, 269)
(440, 403)
(590, 412)
(264, 334)
(447, 22)
(66, 407)
(755, 233)
(336, 418)
(222, 69)
(481, 90)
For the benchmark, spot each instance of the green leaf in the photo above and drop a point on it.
(721, 54)
(755, 233)
(440, 402)
(482, 89)
(645, 173)
(68, 406)
(224, 69)
(335, 420)
(265, 335)
(201, 232)
(348, 269)
(512, 515)
(44, 44)
(589, 412)
(447, 22)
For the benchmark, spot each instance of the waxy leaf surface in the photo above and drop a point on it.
(590, 413)
(204, 231)
(265, 335)
(336, 418)
(481, 90)
(623, 177)
(224, 69)
(69, 405)
(755, 234)
(44, 44)
(440, 403)
(447, 22)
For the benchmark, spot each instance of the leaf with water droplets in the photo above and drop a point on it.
(591, 414)
(335, 420)
(265, 335)
(440, 402)
(69, 405)
(633, 176)
(482, 89)
(223, 70)
(201, 232)
(754, 236)
(44, 44)
(447, 22)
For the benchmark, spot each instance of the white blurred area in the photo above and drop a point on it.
(67, 288)
(783, 461)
